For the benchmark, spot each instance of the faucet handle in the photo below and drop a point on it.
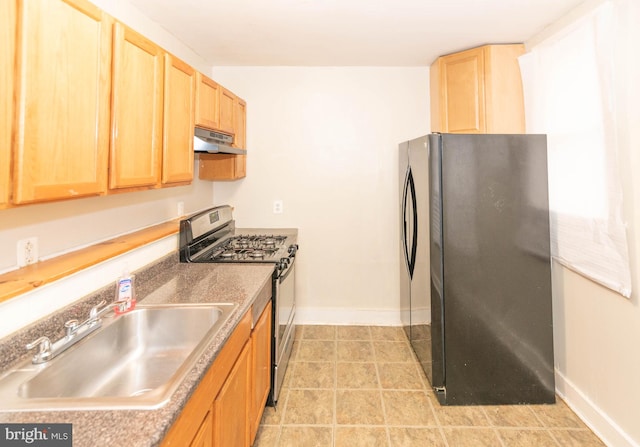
(71, 327)
(96, 311)
(44, 349)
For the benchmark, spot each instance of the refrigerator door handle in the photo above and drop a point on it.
(409, 190)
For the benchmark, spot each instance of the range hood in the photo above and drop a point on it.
(211, 142)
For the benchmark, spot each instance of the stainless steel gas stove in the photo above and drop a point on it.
(211, 237)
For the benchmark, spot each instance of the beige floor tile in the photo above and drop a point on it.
(577, 438)
(355, 351)
(361, 437)
(527, 438)
(295, 436)
(273, 416)
(512, 416)
(288, 375)
(316, 351)
(309, 407)
(472, 437)
(358, 385)
(267, 436)
(461, 416)
(557, 415)
(400, 376)
(408, 408)
(294, 350)
(319, 332)
(354, 333)
(388, 333)
(415, 437)
(357, 375)
(392, 351)
(312, 375)
(359, 407)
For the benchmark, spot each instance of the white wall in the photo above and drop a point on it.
(68, 225)
(325, 141)
(596, 331)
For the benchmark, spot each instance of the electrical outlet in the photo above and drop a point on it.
(27, 251)
(277, 207)
(180, 209)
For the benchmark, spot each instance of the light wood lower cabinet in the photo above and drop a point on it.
(7, 81)
(136, 125)
(260, 369)
(231, 406)
(225, 409)
(204, 436)
(62, 108)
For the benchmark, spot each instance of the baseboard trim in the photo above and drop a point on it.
(597, 420)
(341, 316)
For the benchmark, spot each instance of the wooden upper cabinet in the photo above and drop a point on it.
(240, 138)
(136, 123)
(227, 110)
(62, 117)
(478, 91)
(228, 166)
(7, 81)
(240, 123)
(207, 102)
(178, 122)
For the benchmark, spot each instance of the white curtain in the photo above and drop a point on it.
(569, 95)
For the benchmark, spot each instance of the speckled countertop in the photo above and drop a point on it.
(166, 282)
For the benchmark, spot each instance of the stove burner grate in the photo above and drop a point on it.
(248, 248)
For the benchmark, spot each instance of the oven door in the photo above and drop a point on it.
(285, 328)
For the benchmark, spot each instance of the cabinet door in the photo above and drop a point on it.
(178, 122)
(136, 124)
(462, 100)
(227, 110)
(7, 76)
(240, 123)
(231, 406)
(504, 107)
(207, 102)
(240, 139)
(204, 436)
(260, 368)
(62, 127)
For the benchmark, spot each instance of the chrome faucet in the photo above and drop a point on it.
(74, 332)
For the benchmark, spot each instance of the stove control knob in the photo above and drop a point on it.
(293, 249)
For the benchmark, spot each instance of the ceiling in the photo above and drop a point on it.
(347, 32)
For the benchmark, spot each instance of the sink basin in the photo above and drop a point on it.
(135, 360)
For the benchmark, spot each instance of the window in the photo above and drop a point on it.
(568, 83)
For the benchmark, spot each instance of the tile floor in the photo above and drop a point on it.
(362, 386)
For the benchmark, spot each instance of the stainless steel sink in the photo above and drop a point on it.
(135, 360)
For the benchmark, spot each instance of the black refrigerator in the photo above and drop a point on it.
(475, 266)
